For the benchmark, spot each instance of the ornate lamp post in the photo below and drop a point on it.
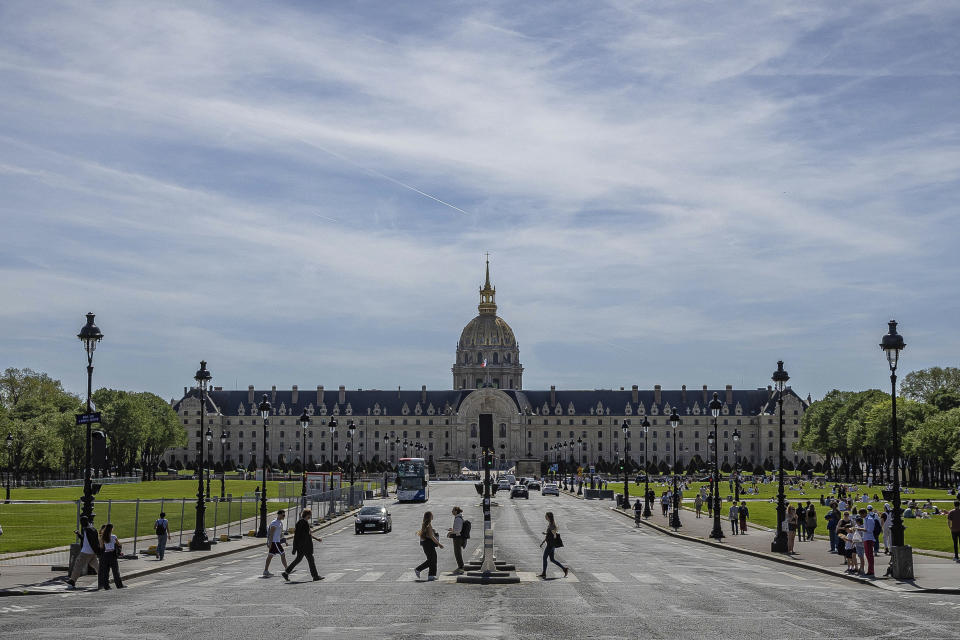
(264, 409)
(626, 478)
(223, 464)
(351, 431)
(209, 438)
(304, 425)
(646, 469)
(780, 378)
(199, 541)
(675, 518)
(333, 430)
(89, 335)
(9, 462)
(736, 465)
(579, 463)
(715, 406)
(901, 559)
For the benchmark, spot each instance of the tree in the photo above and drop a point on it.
(663, 468)
(945, 399)
(921, 385)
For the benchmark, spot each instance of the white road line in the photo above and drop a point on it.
(406, 576)
(176, 582)
(332, 577)
(527, 576)
(645, 577)
(371, 576)
(256, 555)
(216, 580)
(791, 575)
(606, 577)
(235, 561)
(140, 583)
(571, 577)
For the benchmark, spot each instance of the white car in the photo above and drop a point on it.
(503, 485)
(550, 489)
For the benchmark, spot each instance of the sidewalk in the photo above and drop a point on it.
(25, 580)
(934, 572)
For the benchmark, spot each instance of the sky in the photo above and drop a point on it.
(303, 193)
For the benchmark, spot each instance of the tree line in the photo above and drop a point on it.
(39, 416)
(852, 430)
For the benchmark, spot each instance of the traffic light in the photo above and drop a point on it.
(621, 466)
(488, 459)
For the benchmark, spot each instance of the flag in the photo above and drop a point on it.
(484, 363)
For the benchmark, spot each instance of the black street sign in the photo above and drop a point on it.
(88, 418)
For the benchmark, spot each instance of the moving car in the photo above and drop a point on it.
(373, 519)
(550, 489)
(533, 485)
(512, 479)
(519, 491)
(503, 485)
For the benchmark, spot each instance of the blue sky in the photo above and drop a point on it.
(302, 193)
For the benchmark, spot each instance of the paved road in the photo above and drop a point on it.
(624, 583)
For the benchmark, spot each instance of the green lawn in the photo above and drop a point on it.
(145, 490)
(806, 492)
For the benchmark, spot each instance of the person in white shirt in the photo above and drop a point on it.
(108, 561)
(89, 552)
(275, 543)
(734, 518)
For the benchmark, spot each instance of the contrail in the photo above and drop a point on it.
(325, 217)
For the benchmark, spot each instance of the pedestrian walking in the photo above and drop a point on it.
(886, 522)
(459, 541)
(734, 518)
(871, 529)
(953, 521)
(275, 543)
(429, 544)
(709, 501)
(303, 546)
(109, 559)
(162, 528)
(553, 541)
(743, 512)
(90, 551)
(664, 503)
(791, 527)
(698, 504)
(637, 511)
(811, 516)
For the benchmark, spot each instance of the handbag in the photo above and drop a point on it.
(557, 540)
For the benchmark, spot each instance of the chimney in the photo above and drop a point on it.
(635, 395)
(729, 394)
(273, 395)
(294, 395)
(769, 391)
(656, 394)
(683, 395)
(342, 398)
(249, 394)
(704, 395)
(553, 395)
(423, 394)
(184, 391)
(319, 394)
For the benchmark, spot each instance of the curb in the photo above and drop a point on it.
(787, 561)
(28, 591)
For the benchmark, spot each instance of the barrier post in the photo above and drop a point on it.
(136, 527)
(180, 539)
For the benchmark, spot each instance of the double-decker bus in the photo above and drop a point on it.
(412, 480)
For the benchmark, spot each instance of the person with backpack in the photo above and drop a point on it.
(162, 527)
(460, 533)
(89, 555)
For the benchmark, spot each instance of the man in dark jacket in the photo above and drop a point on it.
(303, 546)
(89, 555)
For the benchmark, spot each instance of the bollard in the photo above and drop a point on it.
(216, 509)
(229, 513)
(136, 527)
(109, 507)
(183, 502)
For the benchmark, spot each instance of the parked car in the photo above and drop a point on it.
(373, 519)
(550, 489)
(519, 491)
(533, 485)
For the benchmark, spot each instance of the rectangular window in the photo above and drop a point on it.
(241, 434)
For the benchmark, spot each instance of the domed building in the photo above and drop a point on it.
(487, 352)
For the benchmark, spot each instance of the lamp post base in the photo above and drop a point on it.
(199, 542)
(717, 534)
(674, 520)
(901, 563)
(779, 544)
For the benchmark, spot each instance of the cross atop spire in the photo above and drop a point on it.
(488, 293)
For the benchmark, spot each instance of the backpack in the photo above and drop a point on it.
(465, 530)
(161, 530)
(877, 528)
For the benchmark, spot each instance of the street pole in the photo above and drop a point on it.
(209, 443)
(736, 466)
(626, 479)
(223, 466)
(779, 545)
(715, 406)
(646, 469)
(304, 424)
(9, 462)
(265, 409)
(199, 541)
(675, 518)
(89, 335)
(901, 558)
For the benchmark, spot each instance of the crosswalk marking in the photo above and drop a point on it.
(371, 576)
(407, 576)
(606, 577)
(332, 577)
(140, 583)
(644, 577)
(215, 580)
(571, 577)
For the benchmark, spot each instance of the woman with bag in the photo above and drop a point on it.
(791, 523)
(553, 541)
(108, 561)
(429, 543)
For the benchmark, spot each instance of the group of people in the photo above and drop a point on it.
(100, 551)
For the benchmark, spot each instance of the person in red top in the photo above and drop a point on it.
(953, 519)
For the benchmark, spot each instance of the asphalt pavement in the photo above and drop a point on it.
(624, 582)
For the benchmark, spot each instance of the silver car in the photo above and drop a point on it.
(550, 489)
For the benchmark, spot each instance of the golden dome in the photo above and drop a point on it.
(487, 330)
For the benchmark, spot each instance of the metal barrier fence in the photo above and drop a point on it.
(40, 532)
(75, 482)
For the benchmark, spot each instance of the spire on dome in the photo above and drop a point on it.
(488, 303)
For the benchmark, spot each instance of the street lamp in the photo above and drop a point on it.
(199, 541)
(646, 470)
(89, 335)
(351, 431)
(304, 424)
(9, 462)
(736, 466)
(223, 465)
(209, 437)
(780, 378)
(675, 519)
(580, 466)
(264, 409)
(901, 559)
(715, 406)
(626, 479)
